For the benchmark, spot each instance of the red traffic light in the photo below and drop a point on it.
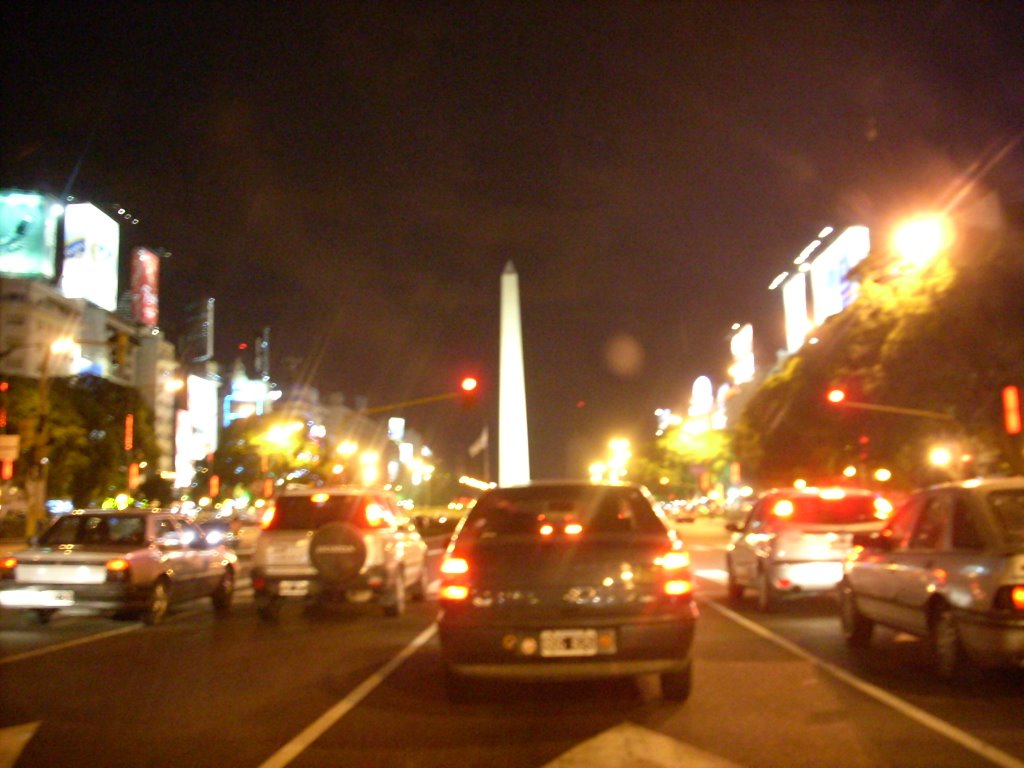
(469, 384)
(836, 396)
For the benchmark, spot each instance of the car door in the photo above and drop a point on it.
(168, 542)
(918, 575)
(199, 559)
(751, 539)
(875, 572)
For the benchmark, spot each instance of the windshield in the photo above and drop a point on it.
(311, 512)
(96, 529)
(527, 512)
(1008, 507)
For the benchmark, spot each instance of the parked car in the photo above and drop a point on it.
(566, 580)
(949, 567)
(139, 561)
(794, 541)
(338, 543)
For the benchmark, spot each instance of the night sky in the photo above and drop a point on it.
(356, 175)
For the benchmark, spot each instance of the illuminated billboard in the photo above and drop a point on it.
(831, 291)
(742, 347)
(202, 416)
(91, 242)
(145, 274)
(794, 304)
(28, 234)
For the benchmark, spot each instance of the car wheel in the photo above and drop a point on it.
(734, 588)
(224, 592)
(43, 615)
(159, 601)
(457, 689)
(947, 650)
(394, 600)
(766, 598)
(337, 551)
(676, 686)
(268, 607)
(857, 628)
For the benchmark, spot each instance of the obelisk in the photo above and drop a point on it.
(513, 440)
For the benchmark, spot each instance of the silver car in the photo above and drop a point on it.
(137, 561)
(949, 567)
(337, 543)
(794, 541)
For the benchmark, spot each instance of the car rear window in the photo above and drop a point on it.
(524, 511)
(1009, 511)
(312, 512)
(816, 510)
(95, 529)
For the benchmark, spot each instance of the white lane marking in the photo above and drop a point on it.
(627, 745)
(300, 743)
(13, 740)
(951, 732)
(69, 644)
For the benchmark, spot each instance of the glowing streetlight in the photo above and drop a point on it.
(369, 467)
(917, 241)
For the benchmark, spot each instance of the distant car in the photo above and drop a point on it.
(337, 543)
(137, 561)
(237, 534)
(793, 541)
(566, 580)
(949, 567)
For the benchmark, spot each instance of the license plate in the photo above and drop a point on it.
(293, 588)
(568, 642)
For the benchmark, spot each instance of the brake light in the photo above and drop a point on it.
(883, 508)
(454, 566)
(674, 560)
(783, 508)
(454, 592)
(1010, 598)
(117, 569)
(677, 587)
(453, 587)
(268, 516)
(573, 529)
(319, 498)
(1017, 597)
(547, 529)
(7, 566)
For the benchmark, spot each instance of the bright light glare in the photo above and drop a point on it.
(783, 508)
(940, 456)
(454, 566)
(883, 475)
(919, 240)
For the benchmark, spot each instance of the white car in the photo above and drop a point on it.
(137, 561)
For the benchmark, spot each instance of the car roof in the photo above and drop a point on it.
(815, 492)
(984, 484)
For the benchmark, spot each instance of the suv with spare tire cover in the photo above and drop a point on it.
(339, 543)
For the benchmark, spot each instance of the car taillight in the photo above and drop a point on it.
(1010, 598)
(676, 564)
(118, 569)
(453, 573)
(7, 566)
(376, 516)
(268, 516)
(678, 587)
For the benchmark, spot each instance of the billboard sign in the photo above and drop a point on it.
(794, 304)
(145, 275)
(91, 242)
(202, 416)
(831, 291)
(28, 234)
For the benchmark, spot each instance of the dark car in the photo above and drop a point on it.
(949, 567)
(566, 580)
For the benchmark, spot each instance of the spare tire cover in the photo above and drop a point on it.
(338, 552)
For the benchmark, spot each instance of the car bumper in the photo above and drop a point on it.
(640, 645)
(993, 641)
(93, 597)
(304, 585)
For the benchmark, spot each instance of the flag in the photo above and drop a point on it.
(480, 444)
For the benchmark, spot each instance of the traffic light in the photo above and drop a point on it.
(469, 391)
(1011, 410)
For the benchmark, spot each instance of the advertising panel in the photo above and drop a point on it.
(28, 234)
(91, 242)
(145, 272)
(794, 304)
(742, 347)
(831, 291)
(202, 414)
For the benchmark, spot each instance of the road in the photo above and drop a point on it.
(352, 687)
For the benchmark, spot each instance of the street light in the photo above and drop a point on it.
(919, 240)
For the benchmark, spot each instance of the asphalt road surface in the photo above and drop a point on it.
(352, 688)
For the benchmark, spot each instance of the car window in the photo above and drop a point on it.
(931, 528)
(313, 511)
(95, 529)
(965, 527)
(902, 524)
(524, 511)
(1008, 509)
(167, 534)
(190, 534)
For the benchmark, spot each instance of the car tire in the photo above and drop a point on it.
(157, 604)
(338, 552)
(766, 597)
(946, 646)
(857, 628)
(734, 589)
(457, 688)
(394, 598)
(224, 593)
(43, 615)
(268, 607)
(676, 686)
